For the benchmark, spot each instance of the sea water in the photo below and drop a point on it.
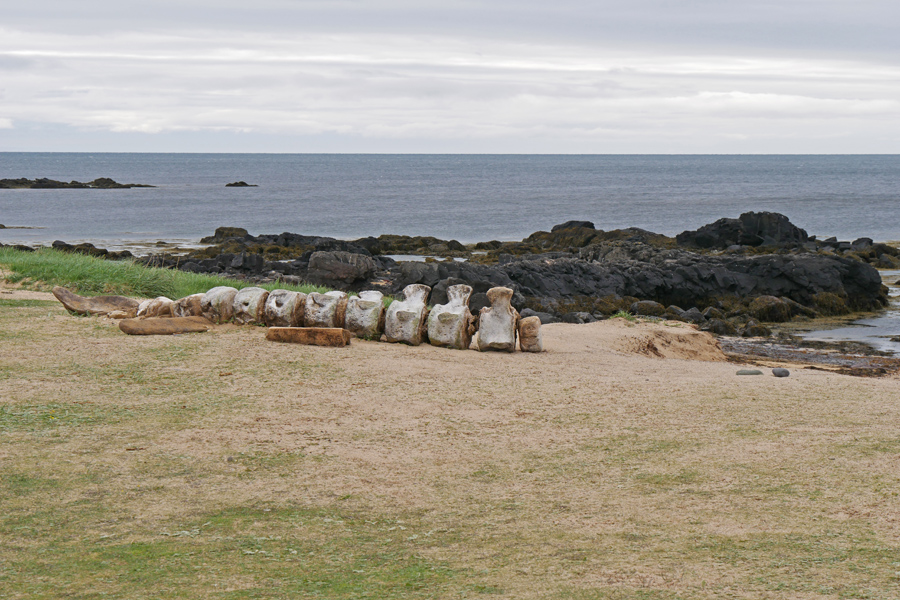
(464, 197)
(469, 198)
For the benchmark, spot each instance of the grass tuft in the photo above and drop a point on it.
(89, 275)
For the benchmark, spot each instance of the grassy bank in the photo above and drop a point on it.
(46, 268)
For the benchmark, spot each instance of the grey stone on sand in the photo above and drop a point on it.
(779, 372)
(749, 372)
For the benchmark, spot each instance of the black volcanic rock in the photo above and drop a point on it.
(750, 229)
(102, 183)
(572, 225)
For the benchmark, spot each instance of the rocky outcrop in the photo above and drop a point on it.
(240, 184)
(102, 183)
(90, 250)
(750, 229)
(339, 268)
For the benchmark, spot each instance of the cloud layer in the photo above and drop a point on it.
(647, 77)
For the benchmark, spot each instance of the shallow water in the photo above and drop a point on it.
(875, 331)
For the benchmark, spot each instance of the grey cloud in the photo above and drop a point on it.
(569, 76)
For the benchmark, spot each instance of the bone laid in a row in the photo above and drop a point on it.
(451, 325)
(365, 315)
(497, 322)
(407, 320)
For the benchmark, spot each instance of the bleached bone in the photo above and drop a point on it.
(189, 306)
(530, 339)
(451, 325)
(249, 305)
(497, 322)
(365, 315)
(157, 307)
(218, 304)
(405, 319)
(285, 308)
(100, 305)
(325, 310)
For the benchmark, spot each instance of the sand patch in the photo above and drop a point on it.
(666, 339)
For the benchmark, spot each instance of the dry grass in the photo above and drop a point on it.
(223, 466)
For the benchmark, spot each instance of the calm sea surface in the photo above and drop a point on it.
(464, 197)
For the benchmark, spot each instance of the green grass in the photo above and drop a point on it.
(238, 552)
(89, 275)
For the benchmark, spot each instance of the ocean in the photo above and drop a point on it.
(464, 197)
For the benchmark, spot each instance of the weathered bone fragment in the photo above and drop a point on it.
(189, 306)
(99, 305)
(405, 320)
(365, 315)
(218, 304)
(497, 322)
(451, 325)
(530, 339)
(157, 307)
(325, 310)
(314, 336)
(249, 305)
(165, 325)
(285, 308)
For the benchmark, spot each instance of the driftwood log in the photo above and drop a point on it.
(312, 336)
(165, 325)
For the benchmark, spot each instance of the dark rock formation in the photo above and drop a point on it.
(102, 183)
(91, 250)
(750, 229)
(573, 225)
(240, 184)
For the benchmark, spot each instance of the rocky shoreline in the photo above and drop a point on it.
(42, 183)
(730, 277)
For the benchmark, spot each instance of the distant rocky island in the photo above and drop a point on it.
(240, 184)
(101, 183)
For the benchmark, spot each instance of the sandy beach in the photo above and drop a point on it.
(627, 457)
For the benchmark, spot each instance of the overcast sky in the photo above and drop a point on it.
(549, 76)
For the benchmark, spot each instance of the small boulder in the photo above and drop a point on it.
(648, 308)
(770, 309)
(754, 329)
(779, 372)
(339, 267)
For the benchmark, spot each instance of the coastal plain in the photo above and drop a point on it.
(629, 460)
